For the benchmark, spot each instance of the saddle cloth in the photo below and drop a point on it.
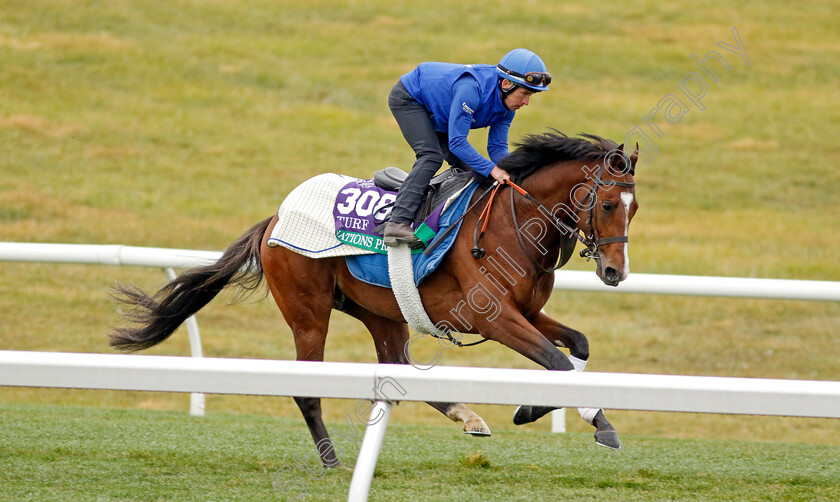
(333, 215)
(305, 219)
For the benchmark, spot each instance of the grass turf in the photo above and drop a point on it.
(69, 453)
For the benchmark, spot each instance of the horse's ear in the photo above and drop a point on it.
(618, 160)
(634, 157)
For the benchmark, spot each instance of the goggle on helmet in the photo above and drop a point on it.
(524, 68)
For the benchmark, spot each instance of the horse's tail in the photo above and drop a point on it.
(159, 315)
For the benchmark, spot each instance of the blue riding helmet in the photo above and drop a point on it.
(524, 68)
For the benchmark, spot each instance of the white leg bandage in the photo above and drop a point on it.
(579, 364)
(587, 414)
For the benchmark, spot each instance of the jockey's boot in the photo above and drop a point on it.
(395, 234)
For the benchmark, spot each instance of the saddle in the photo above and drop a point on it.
(440, 188)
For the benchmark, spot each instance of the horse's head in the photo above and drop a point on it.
(588, 184)
(605, 215)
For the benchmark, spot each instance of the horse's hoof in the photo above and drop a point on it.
(608, 438)
(527, 414)
(476, 428)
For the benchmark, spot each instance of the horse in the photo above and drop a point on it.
(563, 190)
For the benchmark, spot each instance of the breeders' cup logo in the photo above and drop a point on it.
(365, 183)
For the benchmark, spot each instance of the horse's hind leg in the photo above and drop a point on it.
(458, 412)
(302, 288)
(390, 338)
(564, 336)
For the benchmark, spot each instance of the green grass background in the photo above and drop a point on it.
(110, 455)
(182, 124)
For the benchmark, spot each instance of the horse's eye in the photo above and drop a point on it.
(608, 207)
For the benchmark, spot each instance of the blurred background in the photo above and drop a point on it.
(181, 125)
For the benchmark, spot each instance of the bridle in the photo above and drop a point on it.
(591, 240)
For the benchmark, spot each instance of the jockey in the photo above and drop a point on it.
(437, 104)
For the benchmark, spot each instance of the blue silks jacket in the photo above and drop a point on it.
(460, 98)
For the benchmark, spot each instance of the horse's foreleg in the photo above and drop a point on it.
(564, 336)
(515, 332)
(521, 335)
(532, 344)
(390, 338)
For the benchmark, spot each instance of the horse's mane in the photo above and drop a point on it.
(536, 151)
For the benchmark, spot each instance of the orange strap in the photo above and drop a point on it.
(516, 187)
(485, 213)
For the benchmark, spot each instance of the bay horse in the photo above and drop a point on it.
(571, 189)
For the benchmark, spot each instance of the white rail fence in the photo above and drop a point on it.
(384, 383)
(778, 289)
(169, 259)
(197, 375)
(92, 254)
